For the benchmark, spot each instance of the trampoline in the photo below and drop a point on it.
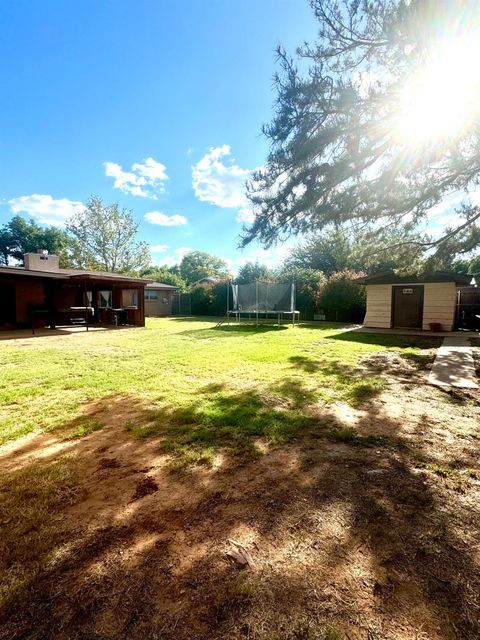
(262, 301)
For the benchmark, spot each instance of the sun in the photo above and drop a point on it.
(440, 101)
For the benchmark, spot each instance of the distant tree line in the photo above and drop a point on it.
(104, 238)
(323, 268)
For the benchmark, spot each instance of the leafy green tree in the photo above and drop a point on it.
(308, 284)
(104, 239)
(252, 271)
(6, 245)
(165, 275)
(196, 265)
(334, 249)
(474, 266)
(386, 250)
(341, 299)
(457, 265)
(328, 252)
(340, 148)
(20, 236)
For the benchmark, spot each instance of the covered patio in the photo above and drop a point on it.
(36, 299)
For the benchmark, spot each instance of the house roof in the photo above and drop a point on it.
(207, 279)
(159, 285)
(21, 271)
(390, 277)
(72, 274)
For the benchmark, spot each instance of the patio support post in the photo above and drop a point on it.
(141, 305)
(85, 302)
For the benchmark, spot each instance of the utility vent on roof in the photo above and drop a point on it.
(41, 261)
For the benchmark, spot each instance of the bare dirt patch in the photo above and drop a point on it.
(366, 526)
(145, 487)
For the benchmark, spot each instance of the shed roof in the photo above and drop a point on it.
(390, 277)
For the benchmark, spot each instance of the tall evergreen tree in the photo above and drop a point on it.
(376, 125)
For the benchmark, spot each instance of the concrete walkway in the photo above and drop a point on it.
(419, 332)
(454, 366)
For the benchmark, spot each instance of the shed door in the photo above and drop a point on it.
(408, 306)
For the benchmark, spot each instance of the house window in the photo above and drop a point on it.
(105, 299)
(129, 298)
(151, 295)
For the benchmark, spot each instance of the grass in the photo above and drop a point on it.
(84, 426)
(350, 435)
(211, 384)
(31, 500)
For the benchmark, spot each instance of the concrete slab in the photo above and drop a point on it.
(22, 334)
(454, 365)
(418, 332)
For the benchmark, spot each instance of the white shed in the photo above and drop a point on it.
(412, 302)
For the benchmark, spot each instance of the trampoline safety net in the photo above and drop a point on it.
(263, 297)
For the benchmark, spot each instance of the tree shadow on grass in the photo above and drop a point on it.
(182, 319)
(249, 329)
(226, 420)
(342, 537)
(389, 340)
(225, 331)
(351, 383)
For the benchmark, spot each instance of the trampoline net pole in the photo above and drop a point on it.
(228, 299)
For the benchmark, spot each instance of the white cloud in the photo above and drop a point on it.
(218, 180)
(245, 214)
(443, 214)
(157, 217)
(174, 259)
(272, 258)
(45, 208)
(144, 179)
(159, 248)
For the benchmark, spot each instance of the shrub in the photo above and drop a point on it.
(210, 300)
(308, 283)
(341, 299)
(202, 299)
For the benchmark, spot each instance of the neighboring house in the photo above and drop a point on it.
(209, 280)
(159, 299)
(43, 294)
(413, 302)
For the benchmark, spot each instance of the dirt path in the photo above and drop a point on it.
(354, 538)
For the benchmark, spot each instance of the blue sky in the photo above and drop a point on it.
(155, 104)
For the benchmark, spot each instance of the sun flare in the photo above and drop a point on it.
(440, 100)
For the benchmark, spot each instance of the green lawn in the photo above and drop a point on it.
(191, 382)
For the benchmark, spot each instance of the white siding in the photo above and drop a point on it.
(439, 304)
(379, 306)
